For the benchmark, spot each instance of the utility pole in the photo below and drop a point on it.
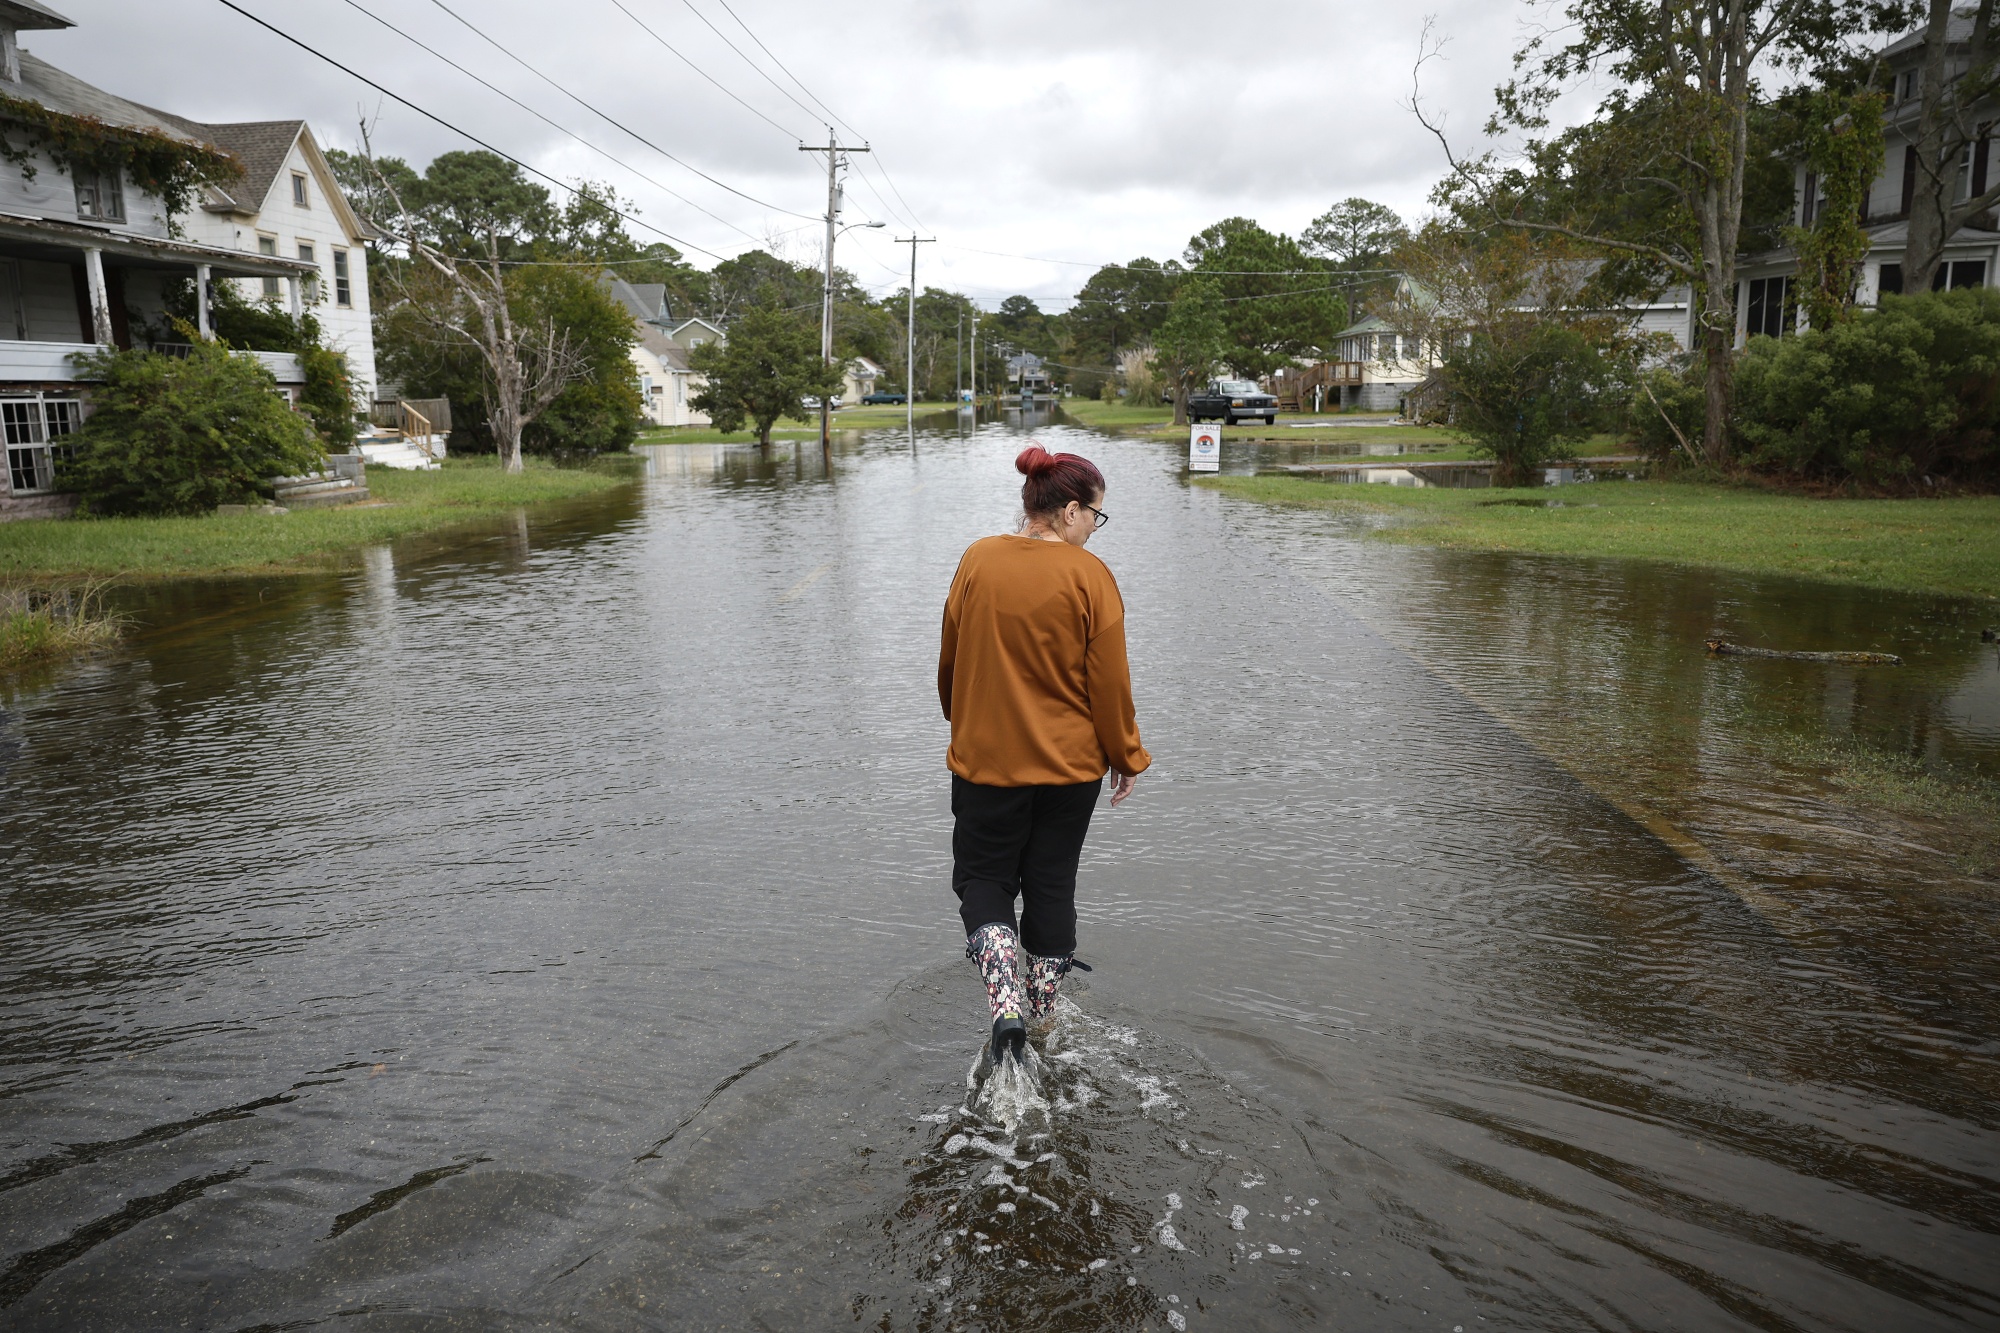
(958, 361)
(835, 160)
(910, 360)
(972, 362)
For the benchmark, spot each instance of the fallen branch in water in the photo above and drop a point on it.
(1724, 648)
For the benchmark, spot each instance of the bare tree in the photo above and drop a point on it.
(527, 363)
(1957, 91)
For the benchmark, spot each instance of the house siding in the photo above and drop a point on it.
(42, 188)
(348, 329)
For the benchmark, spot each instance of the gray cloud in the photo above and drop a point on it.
(1093, 132)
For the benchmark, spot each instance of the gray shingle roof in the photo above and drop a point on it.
(70, 96)
(260, 145)
(645, 301)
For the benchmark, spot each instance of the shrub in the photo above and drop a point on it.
(1667, 411)
(263, 326)
(181, 436)
(1525, 388)
(1905, 397)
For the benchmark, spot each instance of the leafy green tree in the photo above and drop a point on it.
(767, 367)
(1277, 305)
(173, 435)
(467, 227)
(328, 395)
(1689, 77)
(1118, 309)
(1527, 363)
(1356, 238)
(1191, 343)
(1845, 152)
(1354, 234)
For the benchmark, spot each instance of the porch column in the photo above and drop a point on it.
(100, 297)
(292, 286)
(204, 324)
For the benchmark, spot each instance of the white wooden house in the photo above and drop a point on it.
(1766, 302)
(288, 203)
(85, 261)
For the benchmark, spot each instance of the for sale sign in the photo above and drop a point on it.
(1204, 448)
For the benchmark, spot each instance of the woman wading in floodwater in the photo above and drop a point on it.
(1034, 682)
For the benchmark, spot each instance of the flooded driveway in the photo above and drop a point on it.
(549, 927)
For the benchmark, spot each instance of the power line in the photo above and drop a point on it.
(352, 4)
(909, 214)
(704, 73)
(465, 134)
(788, 73)
(741, 53)
(620, 125)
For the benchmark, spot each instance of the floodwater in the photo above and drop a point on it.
(548, 926)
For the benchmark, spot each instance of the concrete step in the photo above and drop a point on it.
(325, 499)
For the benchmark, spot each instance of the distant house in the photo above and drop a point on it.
(1028, 377)
(288, 203)
(1375, 365)
(86, 260)
(858, 379)
(660, 355)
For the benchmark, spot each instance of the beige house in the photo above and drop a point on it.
(660, 355)
(858, 379)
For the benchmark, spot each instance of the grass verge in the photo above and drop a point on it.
(1960, 807)
(847, 418)
(151, 548)
(1949, 546)
(38, 626)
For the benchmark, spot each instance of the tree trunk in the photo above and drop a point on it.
(1935, 162)
(1180, 404)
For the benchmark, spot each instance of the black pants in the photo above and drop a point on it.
(1020, 840)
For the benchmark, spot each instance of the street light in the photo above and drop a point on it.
(826, 333)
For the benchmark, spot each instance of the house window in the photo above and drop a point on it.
(299, 189)
(1962, 189)
(1959, 273)
(1770, 313)
(268, 245)
(310, 256)
(100, 196)
(343, 283)
(1907, 84)
(32, 427)
(1890, 281)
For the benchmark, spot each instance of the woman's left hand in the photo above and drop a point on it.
(1121, 787)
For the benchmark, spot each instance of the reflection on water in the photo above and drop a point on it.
(547, 925)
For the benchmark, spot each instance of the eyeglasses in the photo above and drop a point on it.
(1102, 517)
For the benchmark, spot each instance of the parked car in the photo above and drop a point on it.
(1230, 401)
(881, 396)
(811, 404)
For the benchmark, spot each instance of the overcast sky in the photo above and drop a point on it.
(1015, 133)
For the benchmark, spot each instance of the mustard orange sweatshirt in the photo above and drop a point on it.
(1032, 670)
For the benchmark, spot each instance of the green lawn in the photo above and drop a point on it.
(1940, 546)
(58, 550)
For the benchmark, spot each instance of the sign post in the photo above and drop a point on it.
(1204, 448)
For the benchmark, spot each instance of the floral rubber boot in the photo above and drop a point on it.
(997, 950)
(1044, 976)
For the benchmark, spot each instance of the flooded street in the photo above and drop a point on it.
(550, 927)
